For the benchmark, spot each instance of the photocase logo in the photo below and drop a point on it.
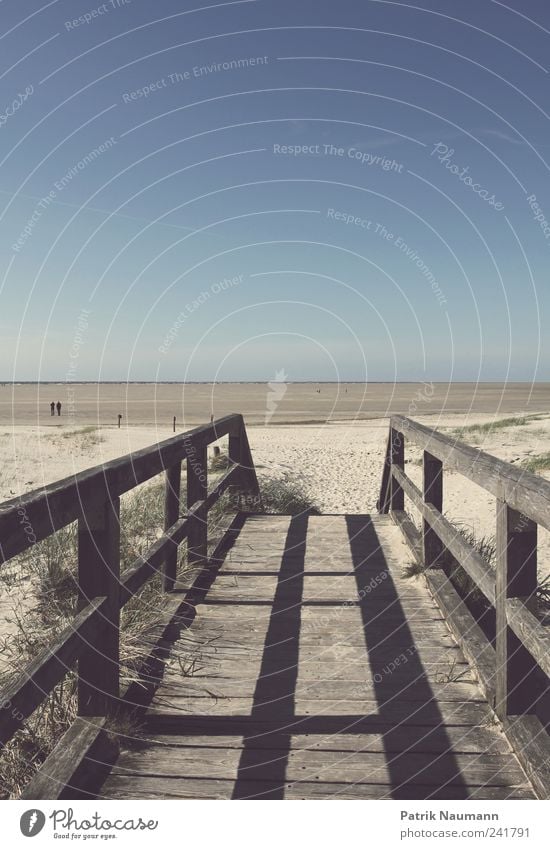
(32, 822)
(277, 391)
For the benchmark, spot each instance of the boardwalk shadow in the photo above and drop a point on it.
(388, 636)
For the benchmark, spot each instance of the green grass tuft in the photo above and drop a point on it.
(489, 427)
(537, 463)
(287, 496)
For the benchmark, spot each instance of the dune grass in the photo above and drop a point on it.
(537, 463)
(489, 427)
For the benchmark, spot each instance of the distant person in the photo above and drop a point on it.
(58, 407)
(52, 408)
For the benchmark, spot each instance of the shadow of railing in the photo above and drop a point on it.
(386, 627)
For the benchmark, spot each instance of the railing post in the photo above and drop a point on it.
(171, 515)
(516, 576)
(397, 499)
(99, 575)
(239, 452)
(197, 488)
(432, 547)
(383, 502)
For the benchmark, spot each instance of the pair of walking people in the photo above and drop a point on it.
(54, 407)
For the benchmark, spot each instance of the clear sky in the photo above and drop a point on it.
(336, 189)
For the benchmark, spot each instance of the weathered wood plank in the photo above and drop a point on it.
(472, 740)
(397, 448)
(531, 743)
(517, 687)
(473, 642)
(171, 516)
(75, 762)
(328, 766)
(410, 533)
(432, 470)
(197, 487)
(22, 697)
(529, 630)
(412, 713)
(120, 787)
(99, 575)
(410, 687)
(317, 666)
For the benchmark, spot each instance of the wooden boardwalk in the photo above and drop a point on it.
(321, 673)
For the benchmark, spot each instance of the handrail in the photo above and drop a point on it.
(92, 498)
(522, 490)
(32, 517)
(523, 503)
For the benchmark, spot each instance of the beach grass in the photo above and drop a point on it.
(489, 427)
(537, 463)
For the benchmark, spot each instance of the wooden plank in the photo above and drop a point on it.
(239, 451)
(517, 686)
(473, 642)
(531, 743)
(171, 516)
(529, 631)
(410, 533)
(397, 496)
(441, 739)
(368, 767)
(412, 713)
(244, 670)
(75, 762)
(523, 491)
(318, 596)
(99, 575)
(197, 490)
(383, 503)
(132, 787)
(146, 565)
(28, 691)
(402, 685)
(433, 495)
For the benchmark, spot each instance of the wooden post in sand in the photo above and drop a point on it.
(119, 419)
(516, 577)
(432, 546)
(174, 424)
(98, 575)
(171, 515)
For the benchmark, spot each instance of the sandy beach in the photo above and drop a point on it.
(274, 402)
(337, 457)
(339, 463)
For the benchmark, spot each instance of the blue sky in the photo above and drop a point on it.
(340, 190)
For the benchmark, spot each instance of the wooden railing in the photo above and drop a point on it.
(514, 670)
(92, 498)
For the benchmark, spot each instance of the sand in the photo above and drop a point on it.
(339, 463)
(276, 401)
